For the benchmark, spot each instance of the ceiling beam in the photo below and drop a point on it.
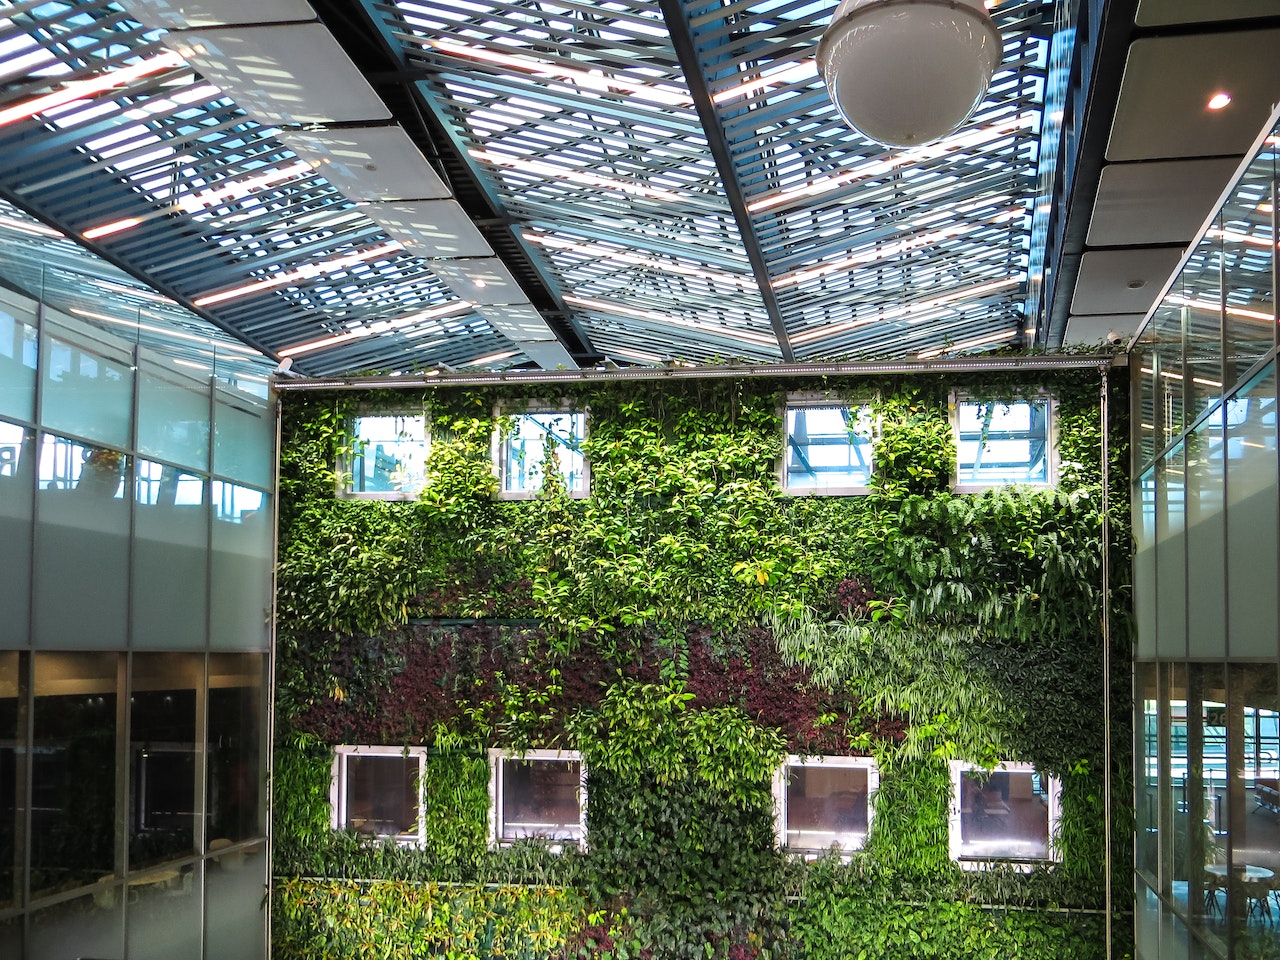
(681, 33)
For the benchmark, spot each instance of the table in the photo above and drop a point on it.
(1251, 876)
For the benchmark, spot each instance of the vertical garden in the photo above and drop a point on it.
(684, 628)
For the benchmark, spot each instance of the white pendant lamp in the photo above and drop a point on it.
(907, 72)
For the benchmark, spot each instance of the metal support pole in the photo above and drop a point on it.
(1106, 654)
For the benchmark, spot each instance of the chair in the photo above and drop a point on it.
(1258, 897)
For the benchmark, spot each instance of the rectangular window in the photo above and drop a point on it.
(378, 791)
(538, 794)
(828, 448)
(539, 441)
(1008, 814)
(1003, 443)
(389, 457)
(823, 803)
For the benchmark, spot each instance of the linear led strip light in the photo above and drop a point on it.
(83, 89)
(729, 332)
(1211, 307)
(552, 171)
(193, 203)
(879, 167)
(968, 344)
(1171, 375)
(305, 272)
(892, 249)
(384, 326)
(601, 251)
(912, 311)
(596, 81)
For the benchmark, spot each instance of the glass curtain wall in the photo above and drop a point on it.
(136, 486)
(1207, 579)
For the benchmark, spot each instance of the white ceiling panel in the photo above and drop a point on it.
(1110, 328)
(1162, 112)
(370, 163)
(430, 228)
(1161, 13)
(1165, 201)
(518, 321)
(1122, 281)
(482, 280)
(282, 74)
(548, 354)
(182, 14)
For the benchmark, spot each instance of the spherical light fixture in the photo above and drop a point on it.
(907, 72)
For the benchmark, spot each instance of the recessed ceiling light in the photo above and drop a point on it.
(1219, 100)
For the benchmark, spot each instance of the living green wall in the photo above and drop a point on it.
(684, 627)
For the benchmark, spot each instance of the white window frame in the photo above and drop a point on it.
(780, 796)
(1053, 791)
(338, 785)
(818, 401)
(497, 797)
(1051, 441)
(346, 476)
(499, 446)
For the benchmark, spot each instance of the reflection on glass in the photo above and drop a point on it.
(1197, 848)
(235, 777)
(1206, 537)
(1253, 748)
(828, 448)
(538, 442)
(1253, 568)
(17, 470)
(1171, 554)
(173, 416)
(244, 439)
(73, 801)
(89, 926)
(18, 349)
(380, 794)
(241, 567)
(540, 798)
(1003, 442)
(390, 455)
(1168, 326)
(87, 392)
(1248, 252)
(162, 756)
(1147, 753)
(235, 924)
(1004, 815)
(170, 558)
(12, 771)
(1144, 562)
(164, 914)
(1200, 311)
(1148, 431)
(826, 806)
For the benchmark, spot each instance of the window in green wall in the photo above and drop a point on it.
(376, 790)
(532, 441)
(1005, 815)
(540, 793)
(828, 447)
(823, 803)
(389, 457)
(1002, 443)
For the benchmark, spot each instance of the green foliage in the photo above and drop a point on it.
(972, 632)
(681, 813)
(456, 807)
(300, 776)
(915, 453)
(386, 919)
